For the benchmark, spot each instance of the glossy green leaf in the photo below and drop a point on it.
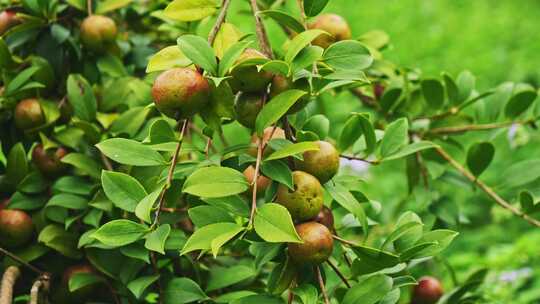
(118, 233)
(183, 290)
(215, 182)
(130, 152)
(395, 136)
(293, 150)
(276, 108)
(190, 10)
(199, 52)
(348, 55)
(479, 156)
(368, 291)
(123, 190)
(273, 223)
(301, 41)
(140, 284)
(167, 58)
(203, 237)
(313, 8)
(155, 240)
(433, 92)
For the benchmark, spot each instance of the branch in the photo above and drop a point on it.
(40, 285)
(89, 7)
(106, 162)
(261, 31)
(321, 284)
(156, 271)
(21, 261)
(8, 281)
(303, 18)
(344, 241)
(352, 157)
(366, 100)
(219, 22)
(340, 275)
(465, 128)
(499, 200)
(260, 147)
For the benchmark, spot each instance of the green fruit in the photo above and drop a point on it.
(180, 92)
(7, 20)
(322, 163)
(268, 134)
(98, 33)
(16, 228)
(333, 24)
(28, 114)
(317, 246)
(81, 294)
(245, 75)
(247, 107)
(306, 200)
(326, 218)
(281, 84)
(428, 291)
(49, 162)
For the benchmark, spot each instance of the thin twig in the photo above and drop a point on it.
(8, 281)
(156, 271)
(321, 284)
(21, 261)
(260, 147)
(499, 200)
(423, 169)
(219, 22)
(465, 128)
(207, 147)
(340, 275)
(351, 157)
(344, 241)
(261, 31)
(89, 7)
(365, 99)
(300, 4)
(106, 162)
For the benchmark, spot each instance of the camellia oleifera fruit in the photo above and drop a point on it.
(333, 24)
(428, 291)
(8, 19)
(325, 217)
(262, 181)
(16, 228)
(49, 162)
(83, 293)
(281, 84)
(180, 92)
(247, 107)
(28, 114)
(306, 200)
(246, 77)
(322, 163)
(98, 33)
(268, 134)
(317, 244)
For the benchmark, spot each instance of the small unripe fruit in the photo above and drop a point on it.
(326, 218)
(247, 108)
(333, 24)
(28, 114)
(306, 200)
(83, 293)
(281, 84)
(7, 20)
(180, 92)
(428, 291)
(322, 163)
(268, 134)
(317, 246)
(16, 228)
(49, 162)
(262, 181)
(98, 33)
(247, 78)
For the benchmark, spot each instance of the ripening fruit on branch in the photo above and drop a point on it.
(49, 162)
(247, 78)
(306, 200)
(281, 84)
(16, 228)
(180, 92)
(317, 246)
(333, 24)
(98, 33)
(7, 20)
(322, 163)
(428, 291)
(326, 218)
(263, 182)
(28, 114)
(269, 134)
(247, 107)
(81, 294)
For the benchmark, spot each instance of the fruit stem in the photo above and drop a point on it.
(339, 273)
(219, 22)
(321, 284)
(344, 241)
(40, 285)
(89, 7)
(21, 261)
(261, 31)
(8, 281)
(499, 200)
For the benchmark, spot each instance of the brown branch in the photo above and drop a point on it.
(492, 194)
(40, 286)
(219, 22)
(423, 169)
(106, 162)
(261, 31)
(156, 271)
(465, 128)
(89, 7)
(8, 281)
(340, 275)
(366, 100)
(321, 284)
(351, 157)
(21, 261)
(260, 147)
(344, 241)
(207, 147)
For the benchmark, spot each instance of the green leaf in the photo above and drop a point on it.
(17, 165)
(395, 136)
(520, 101)
(410, 149)
(274, 224)
(259, 299)
(371, 260)
(235, 204)
(293, 150)
(344, 198)
(348, 55)
(226, 37)
(206, 215)
(276, 108)
(17, 83)
(80, 280)
(144, 207)
(307, 293)
(183, 290)
(65, 242)
(284, 20)
(161, 132)
(318, 124)
(130, 152)
(440, 239)
(433, 92)
(368, 291)
(526, 200)
(221, 240)
(84, 163)
(466, 83)
(203, 237)
(400, 231)
(479, 156)
(215, 182)
(190, 10)
(357, 125)
(452, 90)
(140, 284)
(123, 190)
(300, 42)
(155, 240)
(221, 277)
(119, 233)
(130, 122)
(167, 58)
(230, 56)
(112, 66)
(390, 98)
(514, 175)
(277, 67)
(313, 8)
(410, 236)
(81, 97)
(278, 171)
(199, 52)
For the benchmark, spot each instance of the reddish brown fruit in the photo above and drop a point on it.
(247, 78)
(428, 291)
(281, 84)
(322, 163)
(83, 293)
(306, 200)
(28, 114)
(378, 90)
(247, 108)
(98, 33)
(180, 92)
(326, 218)
(7, 20)
(49, 161)
(333, 24)
(16, 228)
(4, 203)
(263, 182)
(269, 134)
(317, 246)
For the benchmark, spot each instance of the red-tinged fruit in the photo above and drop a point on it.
(28, 114)
(268, 134)
(98, 33)
(180, 92)
(306, 200)
(8, 19)
(83, 293)
(263, 182)
(322, 163)
(326, 218)
(16, 228)
(428, 291)
(333, 24)
(317, 244)
(49, 162)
